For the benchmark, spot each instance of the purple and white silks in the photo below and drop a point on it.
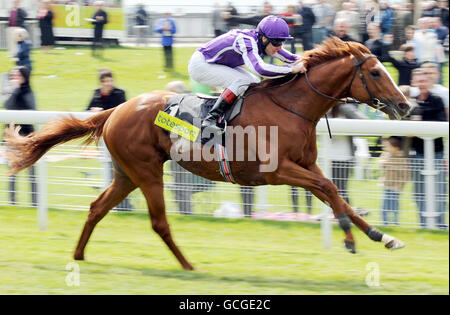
(241, 47)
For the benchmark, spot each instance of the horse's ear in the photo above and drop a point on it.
(355, 50)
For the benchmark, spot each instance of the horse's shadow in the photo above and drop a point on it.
(262, 282)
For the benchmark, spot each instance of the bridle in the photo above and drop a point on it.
(375, 102)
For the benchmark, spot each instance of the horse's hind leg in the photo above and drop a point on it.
(120, 187)
(154, 194)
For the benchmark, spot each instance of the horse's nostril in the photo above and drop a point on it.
(403, 105)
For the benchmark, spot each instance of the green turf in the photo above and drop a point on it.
(235, 256)
(65, 79)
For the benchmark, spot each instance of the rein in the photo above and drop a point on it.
(292, 111)
(277, 103)
(288, 109)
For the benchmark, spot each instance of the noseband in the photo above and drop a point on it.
(376, 103)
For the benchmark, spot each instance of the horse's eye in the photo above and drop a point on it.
(375, 73)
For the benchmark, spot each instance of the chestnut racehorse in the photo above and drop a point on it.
(294, 104)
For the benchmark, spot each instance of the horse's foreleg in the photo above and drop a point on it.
(373, 233)
(153, 191)
(292, 174)
(120, 187)
(312, 179)
(354, 217)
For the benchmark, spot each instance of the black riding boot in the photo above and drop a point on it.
(210, 122)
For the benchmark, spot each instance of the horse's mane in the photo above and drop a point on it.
(330, 49)
(333, 48)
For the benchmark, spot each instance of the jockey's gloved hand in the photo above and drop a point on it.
(299, 67)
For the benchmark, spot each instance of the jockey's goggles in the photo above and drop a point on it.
(277, 42)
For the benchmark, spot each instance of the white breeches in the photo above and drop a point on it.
(235, 79)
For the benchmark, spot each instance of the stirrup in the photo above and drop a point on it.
(225, 125)
(212, 133)
(213, 129)
(221, 130)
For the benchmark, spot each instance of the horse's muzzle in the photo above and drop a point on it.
(404, 109)
(396, 110)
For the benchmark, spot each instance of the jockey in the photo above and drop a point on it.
(218, 62)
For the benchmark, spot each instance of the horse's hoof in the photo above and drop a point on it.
(189, 268)
(78, 256)
(391, 242)
(350, 247)
(394, 244)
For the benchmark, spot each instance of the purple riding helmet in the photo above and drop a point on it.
(274, 27)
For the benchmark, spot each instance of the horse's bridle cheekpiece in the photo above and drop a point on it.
(373, 101)
(376, 103)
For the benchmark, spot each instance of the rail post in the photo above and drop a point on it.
(106, 163)
(326, 211)
(430, 172)
(42, 204)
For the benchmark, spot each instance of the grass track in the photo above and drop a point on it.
(237, 257)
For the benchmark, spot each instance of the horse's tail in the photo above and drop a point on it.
(22, 152)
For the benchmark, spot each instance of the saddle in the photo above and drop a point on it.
(187, 107)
